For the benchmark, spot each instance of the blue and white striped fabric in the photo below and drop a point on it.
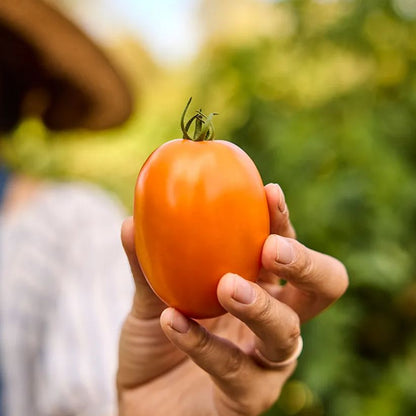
(65, 288)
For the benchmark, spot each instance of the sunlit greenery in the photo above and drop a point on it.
(322, 95)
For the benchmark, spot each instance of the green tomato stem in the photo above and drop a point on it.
(204, 128)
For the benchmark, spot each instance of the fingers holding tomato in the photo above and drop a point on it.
(242, 383)
(274, 331)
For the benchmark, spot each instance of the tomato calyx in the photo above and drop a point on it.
(204, 128)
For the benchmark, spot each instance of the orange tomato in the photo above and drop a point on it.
(200, 211)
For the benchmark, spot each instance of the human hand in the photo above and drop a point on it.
(235, 364)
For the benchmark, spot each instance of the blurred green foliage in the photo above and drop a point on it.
(324, 101)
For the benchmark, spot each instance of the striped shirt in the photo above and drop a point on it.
(65, 288)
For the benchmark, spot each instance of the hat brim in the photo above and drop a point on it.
(79, 72)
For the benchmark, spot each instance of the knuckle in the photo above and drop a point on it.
(203, 341)
(292, 335)
(234, 362)
(263, 311)
(302, 265)
(294, 325)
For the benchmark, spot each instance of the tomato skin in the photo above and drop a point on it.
(200, 211)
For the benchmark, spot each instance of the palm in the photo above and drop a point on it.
(177, 382)
(162, 365)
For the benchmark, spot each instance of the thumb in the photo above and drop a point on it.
(144, 350)
(146, 304)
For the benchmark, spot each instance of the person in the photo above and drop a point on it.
(235, 364)
(64, 279)
(65, 284)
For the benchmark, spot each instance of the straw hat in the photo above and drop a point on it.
(50, 66)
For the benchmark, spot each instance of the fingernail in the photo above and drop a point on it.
(285, 254)
(243, 292)
(179, 323)
(282, 203)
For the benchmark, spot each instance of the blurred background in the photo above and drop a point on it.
(322, 95)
